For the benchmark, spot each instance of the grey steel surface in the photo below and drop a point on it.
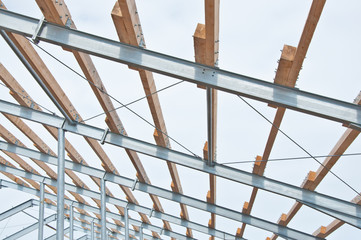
(71, 222)
(228, 213)
(210, 125)
(15, 210)
(126, 223)
(103, 207)
(291, 98)
(91, 208)
(297, 193)
(41, 213)
(60, 185)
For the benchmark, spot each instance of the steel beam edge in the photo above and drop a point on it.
(228, 213)
(257, 89)
(114, 201)
(267, 184)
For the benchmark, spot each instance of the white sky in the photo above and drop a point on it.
(252, 33)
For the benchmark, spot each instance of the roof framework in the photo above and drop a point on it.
(89, 218)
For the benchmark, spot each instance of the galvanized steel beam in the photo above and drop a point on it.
(60, 185)
(222, 211)
(297, 193)
(295, 99)
(15, 210)
(93, 209)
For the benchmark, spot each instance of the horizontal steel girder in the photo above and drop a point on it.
(283, 231)
(16, 209)
(109, 225)
(310, 198)
(292, 98)
(133, 207)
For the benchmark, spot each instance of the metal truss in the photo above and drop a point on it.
(347, 113)
(283, 231)
(349, 212)
(292, 98)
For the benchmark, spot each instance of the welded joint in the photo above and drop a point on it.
(134, 184)
(37, 30)
(102, 140)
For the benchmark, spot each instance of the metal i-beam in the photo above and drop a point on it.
(60, 185)
(96, 210)
(295, 99)
(222, 211)
(233, 174)
(103, 208)
(16, 209)
(147, 211)
(30, 228)
(41, 212)
(95, 220)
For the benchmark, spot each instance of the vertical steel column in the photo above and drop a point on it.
(60, 185)
(103, 208)
(140, 233)
(92, 230)
(71, 222)
(41, 212)
(209, 126)
(126, 223)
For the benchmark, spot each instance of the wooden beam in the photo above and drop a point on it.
(26, 100)
(306, 37)
(199, 41)
(206, 51)
(287, 73)
(313, 179)
(127, 23)
(284, 67)
(335, 224)
(31, 182)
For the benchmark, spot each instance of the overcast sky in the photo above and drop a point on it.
(252, 33)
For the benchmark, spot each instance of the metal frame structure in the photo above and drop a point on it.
(204, 72)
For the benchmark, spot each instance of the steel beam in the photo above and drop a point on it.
(41, 212)
(30, 228)
(281, 188)
(228, 213)
(92, 231)
(295, 99)
(210, 126)
(60, 185)
(33, 73)
(95, 209)
(92, 220)
(126, 223)
(71, 222)
(15, 210)
(103, 208)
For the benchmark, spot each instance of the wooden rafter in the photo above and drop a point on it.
(287, 73)
(30, 54)
(127, 24)
(59, 11)
(206, 49)
(313, 179)
(324, 232)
